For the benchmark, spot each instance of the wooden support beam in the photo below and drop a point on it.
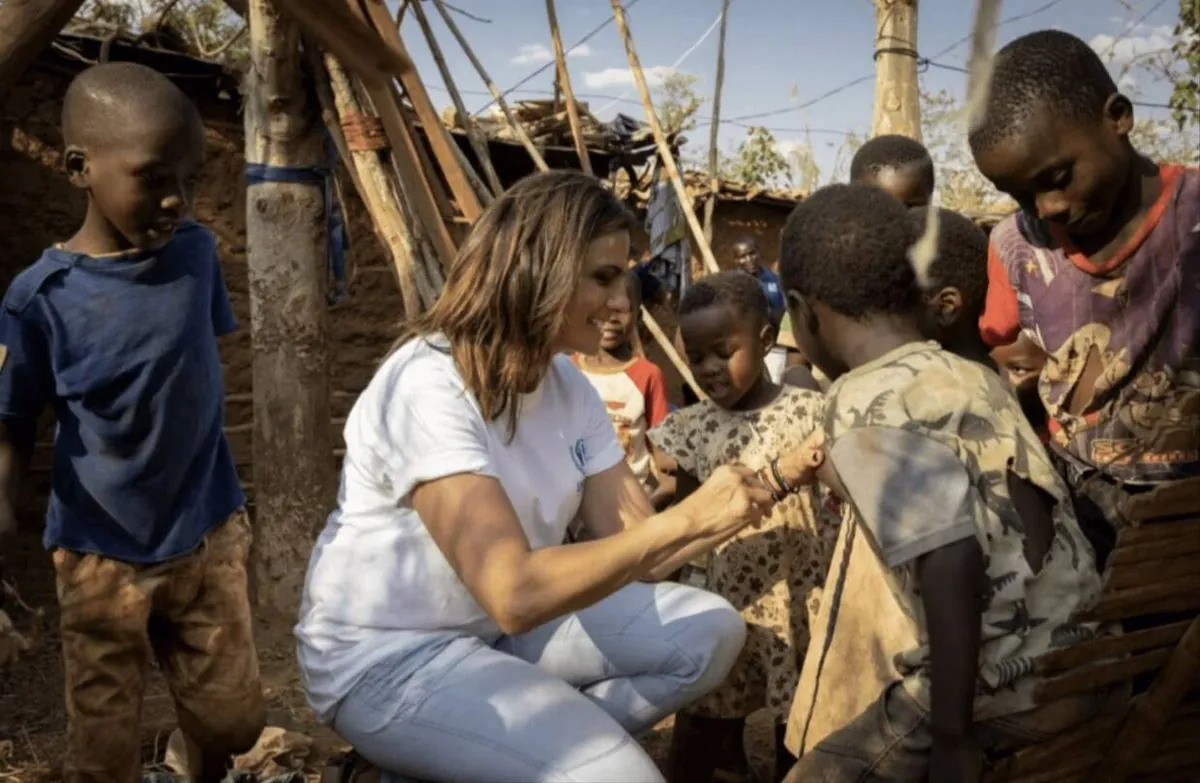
(513, 125)
(370, 178)
(294, 475)
(660, 140)
(26, 28)
(714, 153)
(897, 90)
(439, 137)
(564, 83)
(354, 43)
(478, 142)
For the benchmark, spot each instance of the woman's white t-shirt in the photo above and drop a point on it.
(376, 575)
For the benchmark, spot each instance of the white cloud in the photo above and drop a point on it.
(1126, 49)
(536, 54)
(532, 54)
(622, 77)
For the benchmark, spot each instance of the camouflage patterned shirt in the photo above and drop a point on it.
(923, 442)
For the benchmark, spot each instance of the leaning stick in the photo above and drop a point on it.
(714, 154)
(513, 125)
(660, 139)
(478, 143)
(564, 81)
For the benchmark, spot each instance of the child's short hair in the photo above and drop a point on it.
(961, 256)
(105, 98)
(1045, 71)
(890, 151)
(847, 246)
(731, 288)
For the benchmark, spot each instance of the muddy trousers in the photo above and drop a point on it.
(556, 704)
(193, 615)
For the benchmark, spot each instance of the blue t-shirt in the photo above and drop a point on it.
(124, 347)
(774, 291)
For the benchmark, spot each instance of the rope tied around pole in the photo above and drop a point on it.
(364, 132)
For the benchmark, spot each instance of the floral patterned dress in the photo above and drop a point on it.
(772, 573)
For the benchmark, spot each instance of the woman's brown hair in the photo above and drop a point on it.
(506, 295)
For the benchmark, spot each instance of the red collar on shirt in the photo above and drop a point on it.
(1168, 174)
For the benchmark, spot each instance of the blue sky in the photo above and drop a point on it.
(779, 53)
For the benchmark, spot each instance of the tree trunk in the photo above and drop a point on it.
(897, 90)
(294, 475)
(26, 28)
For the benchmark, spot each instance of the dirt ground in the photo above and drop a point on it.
(33, 719)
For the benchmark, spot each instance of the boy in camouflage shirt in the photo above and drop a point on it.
(952, 488)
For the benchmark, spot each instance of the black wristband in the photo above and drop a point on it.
(787, 488)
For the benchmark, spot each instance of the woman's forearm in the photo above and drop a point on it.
(561, 579)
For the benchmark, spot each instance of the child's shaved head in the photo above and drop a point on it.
(897, 164)
(105, 100)
(1046, 71)
(135, 143)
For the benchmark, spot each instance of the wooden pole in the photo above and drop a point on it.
(668, 347)
(513, 125)
(294, 472)
(897, 90)
(337, 93)
(339, 31)
(714, 132)
(478, 142)
(26, 28)
(660, 139)
(564, 82)
(439, 137)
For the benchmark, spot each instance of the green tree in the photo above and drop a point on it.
(960, 186)
(757, 162)
(1185, 98)
(677, 101)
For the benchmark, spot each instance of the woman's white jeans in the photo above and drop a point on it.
(559, 703)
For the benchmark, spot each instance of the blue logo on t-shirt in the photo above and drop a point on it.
(579, 455)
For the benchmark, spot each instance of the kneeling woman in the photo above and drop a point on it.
(445, 630)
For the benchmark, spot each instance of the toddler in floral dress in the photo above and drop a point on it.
(769, 572)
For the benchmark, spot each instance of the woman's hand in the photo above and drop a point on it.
(732, 498)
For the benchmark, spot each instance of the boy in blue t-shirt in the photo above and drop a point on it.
(116, 329)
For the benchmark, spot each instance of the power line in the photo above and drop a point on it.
(1144, 104)
(869, 77)
(550, 64)
(1019, 17)
(1130, 28)
(686, 54)
(532, 91)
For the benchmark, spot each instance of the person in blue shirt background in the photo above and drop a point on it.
(116, 330)
(748, 258)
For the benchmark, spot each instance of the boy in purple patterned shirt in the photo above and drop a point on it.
(1100, 268)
